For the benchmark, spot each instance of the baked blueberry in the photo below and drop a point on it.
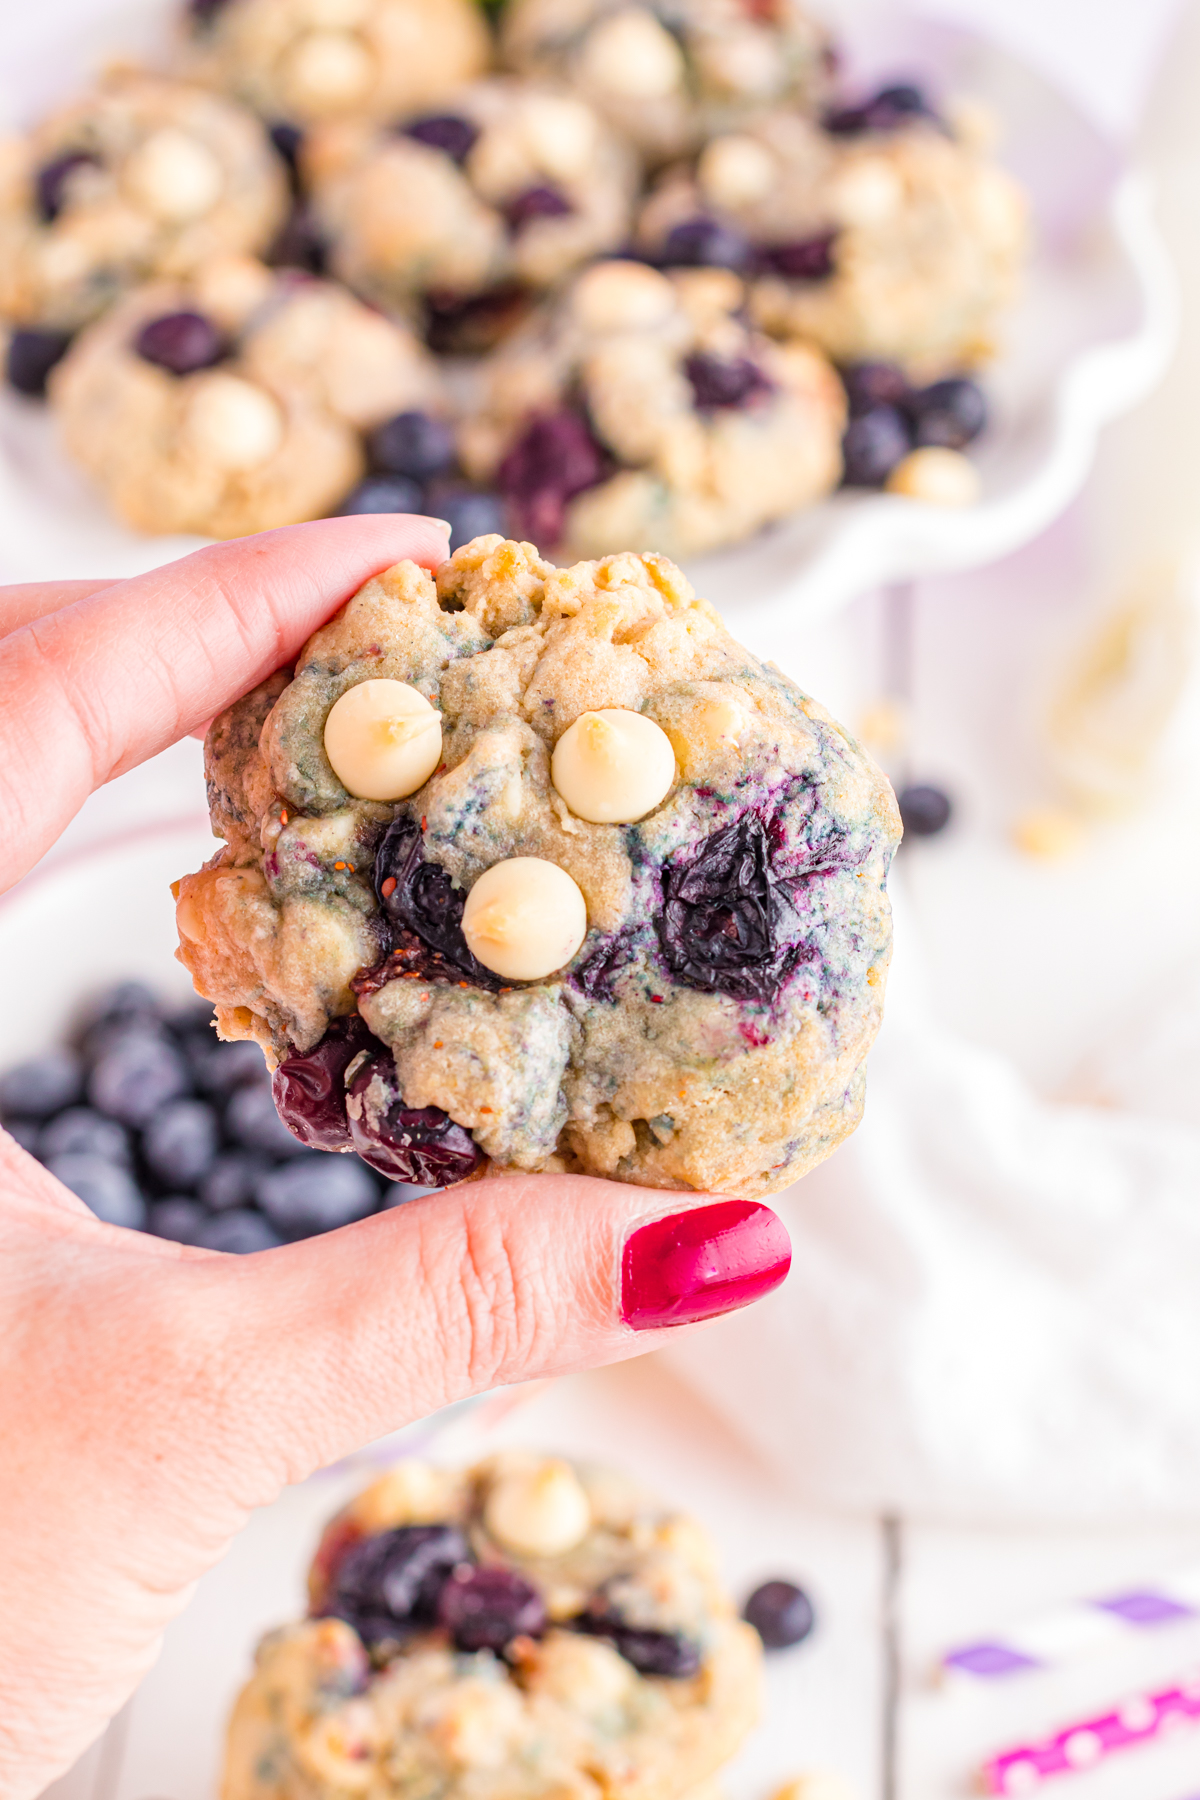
(81, 1130)
(180, 1142)
(420, 899)
(50, 183)
(107, 1189)
(179, 1217)
(728, 925)
(180, 342)
(30, 358)
(719, 381)
(924, 810)
(486, 1608)
(415, 444)
(238, 1233)
(421, 1145)
(389, 1583)
(781, 1613)
(874, 443)
(42, 1085)
(542, 202)
(555, 458)
(314, 1193)
(808, 259)
(448, 132)
(301, 243)
(704, 243)
(383, 494)
(651, 1652)
(309, 1090)
(949, 413)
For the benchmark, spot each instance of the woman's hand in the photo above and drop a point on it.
(152, 1395)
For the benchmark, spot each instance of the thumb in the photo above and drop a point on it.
(340, 1339)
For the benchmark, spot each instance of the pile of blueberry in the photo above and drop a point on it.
(889, 417)
(156, 1125)
(414, 470)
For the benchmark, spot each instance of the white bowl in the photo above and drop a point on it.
(1093, 334)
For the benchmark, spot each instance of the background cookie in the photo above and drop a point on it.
(142, 176)
(643, 411)
(526, 1627)
(711, 961)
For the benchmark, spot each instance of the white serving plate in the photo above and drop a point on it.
(1093, 334)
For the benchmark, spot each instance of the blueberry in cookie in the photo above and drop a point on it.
(528, 1626)
(537, 867)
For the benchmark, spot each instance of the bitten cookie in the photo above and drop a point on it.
(140, 177)
(510, 184)
(235, 402)
(302, 61)
(538, 865)
(527, 1629)
(643, 411)
(887, 240)
(666, 73)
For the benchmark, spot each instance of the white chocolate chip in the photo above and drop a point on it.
(383, 739)
(631, 54)
(524, 918)
(736, 171)
(868, 192)
(561, 135)
(613, 766)
(539, 1512)
(622, 296)
(410, 1494)
(173, 176)
(939, 477)
(326, 70)
(231, 422)
(230, 288)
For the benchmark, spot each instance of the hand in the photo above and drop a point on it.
(152, 1395)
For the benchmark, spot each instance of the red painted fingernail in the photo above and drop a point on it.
(694, 1265)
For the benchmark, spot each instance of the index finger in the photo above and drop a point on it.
(97, 687)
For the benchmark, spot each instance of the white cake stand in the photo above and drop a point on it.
(1094, 333)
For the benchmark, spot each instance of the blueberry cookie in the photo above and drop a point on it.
(142, 177)
(878, 237)
(643, 411)
(527, 1629)
(510, 184)
(302, 61)
(666, 73)
(538, 865)
(235, 402)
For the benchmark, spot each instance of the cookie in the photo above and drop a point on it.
(667, 73)
(235, 402)
(891, 242)
(591, 888)
(527, 1629)
(640, 411)
(141, 177)
(302, 61)
(510, 184)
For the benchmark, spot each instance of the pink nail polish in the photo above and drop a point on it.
(694, 1265)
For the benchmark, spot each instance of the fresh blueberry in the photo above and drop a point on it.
(31, 356)
(43, 1085)
(536, 203)
(300, 244)
(388, 1584)
(106, 1188)
(873, 444)
(80, 1131)
(486, 1608)
(309, 1090)
(781, 1613)
(383, 494)
(872, 384)
(218, 1068)
(421, 1145)
(807, 259)
(924, 810)
(719, 382)
(180, 342)
(231, 1180)
(316, 1192)
(238, 1233)
(950, 413)
(555, 458)
(180, 1142)
(444, 131)
(140, 1072)
(414, 444)
(470, 514)
(704, 243)
(27, 1133)
(179, 1218)
(52, 178)
(252, 1122)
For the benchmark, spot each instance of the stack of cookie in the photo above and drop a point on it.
(605, 275)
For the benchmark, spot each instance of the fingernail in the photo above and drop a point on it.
(445, 524)
(694, 1265)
